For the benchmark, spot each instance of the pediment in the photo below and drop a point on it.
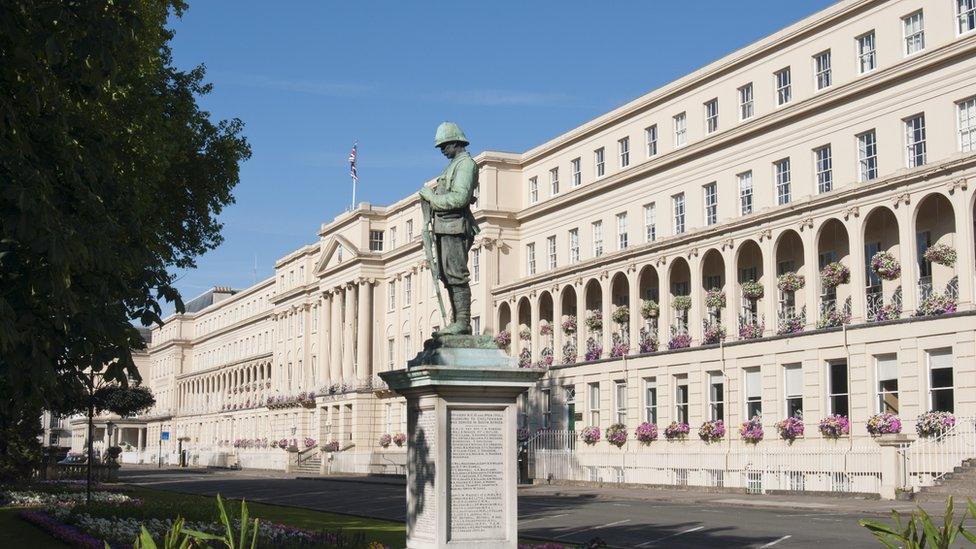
(329, 256)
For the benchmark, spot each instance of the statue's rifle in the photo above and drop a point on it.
(428, 238)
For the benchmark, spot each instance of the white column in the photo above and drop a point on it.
(325, 338)
(697, 312)
(909, 264)
(964, 246)
(348, 347)
(557, 326)
(665, 312)
(811, 272)
(606, 306)
(634, 304)
(580, 320)
(855, 239)
(534, 325)
(364, 349)
(733, 303)
(769, 309)
(335, 337)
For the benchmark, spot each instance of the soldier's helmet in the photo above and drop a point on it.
(449, 132)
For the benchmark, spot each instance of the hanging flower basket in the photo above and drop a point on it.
(399, 439)
(752, 431)
(503, 339)
(593, 349)
(545, 328)
(834, 274)
(715, 299)
(884, 424)
(617, 434)
(676, 431)
(885, 266)
(933, 424)
(385, 440)
(648, 341)
(835, 426)
(525, 334)
(590, 435)
(940, 253)
(936, 304)
(752, 289)
(594, 321)
(790, 428)
(790, 282)
(569, 325)
(646, 433)
(621, 315)
(712, 431)
(714, 333)
(650, 309)
(681, 302)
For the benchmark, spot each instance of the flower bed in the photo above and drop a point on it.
(676, 431)
(617, 434)
(835, 426)
(931, 424)
(621, 315)
(936, 304)
(399, 439)
(590, 435)
(61, 531)
(885, 265)
(834, 274)
(752, 431)
(569, 325)
(790, 428)
(884, 424)
(715, 299)
(752, 290)
(646, 433)
(714, 333)
(942, 254)
(32, 498)
(712, 431)
(650, 309)
(790, 282)
(681, 302)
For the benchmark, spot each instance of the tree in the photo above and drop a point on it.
(111, 177)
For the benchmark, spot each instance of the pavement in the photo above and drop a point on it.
(621, 516)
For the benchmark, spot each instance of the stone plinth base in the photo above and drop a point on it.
(461, 462)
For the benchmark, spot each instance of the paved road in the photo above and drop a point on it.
(574, 516)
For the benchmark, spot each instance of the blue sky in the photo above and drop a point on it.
(309, 78)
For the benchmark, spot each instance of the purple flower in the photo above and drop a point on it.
(617, 434)
(790, 428)
(712, 431)
(884, 424)
(835, 426)
(646, 433)
(679, 341)
(676, 431)
(752, 431)
(590, 435)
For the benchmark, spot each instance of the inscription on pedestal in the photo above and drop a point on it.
(476, 478)
(423, 449)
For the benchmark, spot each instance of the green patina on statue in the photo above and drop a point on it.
(449, 227)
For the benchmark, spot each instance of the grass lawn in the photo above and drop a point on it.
(18, 533)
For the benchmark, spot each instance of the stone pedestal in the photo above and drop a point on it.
(461, 396)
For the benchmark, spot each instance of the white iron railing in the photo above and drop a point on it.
(927, 460)
(557, 455)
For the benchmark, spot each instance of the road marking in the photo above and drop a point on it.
(542, 518)
(772, 543)
(574, 532)
(688, 531)
(772, 503)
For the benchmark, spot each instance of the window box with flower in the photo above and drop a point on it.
(525, 358)
(790, 429)
(752, 431)
(676, 431)
(648, 341)
(884, 424)
(620, 347)
(790, 282)
(835, 426)
(545, 328)
(617, 434)
(525, 334)
(569, 325)
(646, 433)
(714, 332)
(593, 349)
(590, 435)
(594, 321)
(712, 431)
(569, 352)
(679, 340)
(385, 440)
(503, 339)
(650, 309)
(933, 424)
(936, 304)
(399, 439)
(751, 329)
(792, 324)
(681, 302)
(621, 315)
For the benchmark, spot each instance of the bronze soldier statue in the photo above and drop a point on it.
(447, 211)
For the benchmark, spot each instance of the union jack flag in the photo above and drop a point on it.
(352, 162)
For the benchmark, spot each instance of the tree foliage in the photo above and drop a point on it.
(123, 401)
(111, 177)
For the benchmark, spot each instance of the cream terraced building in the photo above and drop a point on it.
(849, 133)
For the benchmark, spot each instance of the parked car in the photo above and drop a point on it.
(73, 459)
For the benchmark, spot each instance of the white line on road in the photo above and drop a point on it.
(688, 531)
(774, 542)
(574, 532)
(542, 518)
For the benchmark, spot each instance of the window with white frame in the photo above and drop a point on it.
(793, 386)
(476, 324)
(915, 140)
(409, 230)
(623, 151)
(941, 393)
(530, 258)
(533, 190)
(407, 348)
(716, 396)
(710, 192)
(554, 181)
(650, 138)
(597, 231)
(407, 290)
(867, 57)
(965, 15)
(784, 90)
(680, 130)
(576, 168)
(551, 251)
(393, 235)
(745, 192)
(681, 394)
(650, 400)
(679, 213)
(839, 395)
(599, 161)
(622, 231)
(821, 70)
(753, 393)
(475, 265)
(711, 116)
(546, 396)
(594, 403)
(824, 169)
(781, 174)
(390, 351)
(391, 296)
(376, 241)
(620, 401)
(867, 156)
(914, 32)
(887, 368)
(574, 246)
(967, 124)
(650, 223)
(746, 106)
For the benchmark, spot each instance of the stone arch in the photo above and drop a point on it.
(935, 223)
(880, 234)
(504, 317)
(749, 268)
(713, 278)
(593, 299)
(789, 256)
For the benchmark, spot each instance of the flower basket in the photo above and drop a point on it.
(792, 325)
(593, 349)
(385, 440)
(943, 254)
(676, 431)
(681, 302)
(309, 442)
(715, 299)
(886, 312)
(936, 304)
(752, 290)
(503, 339)
(752, 431)
(714, 333)
(650, 309)
(331, 446)
(751, 330)
(620, 347)
(569, 352)
(617, 434)
(546, 360)
(648, 341)
(525, 358)
(885, 266)
(712, 431)
(590, 435)
(833, 318)
(790, 282)
(399, 439)
(283, 443)
(569, 325)
(525, 334)
(834, 274)
(646, 433)
(932, 424)
(545, 328)
(621, 315)
(679, 341)
(884, 424)
(594, 321)
(835, 426)
(790, 428)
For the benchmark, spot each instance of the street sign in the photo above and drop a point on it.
(164, 435)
